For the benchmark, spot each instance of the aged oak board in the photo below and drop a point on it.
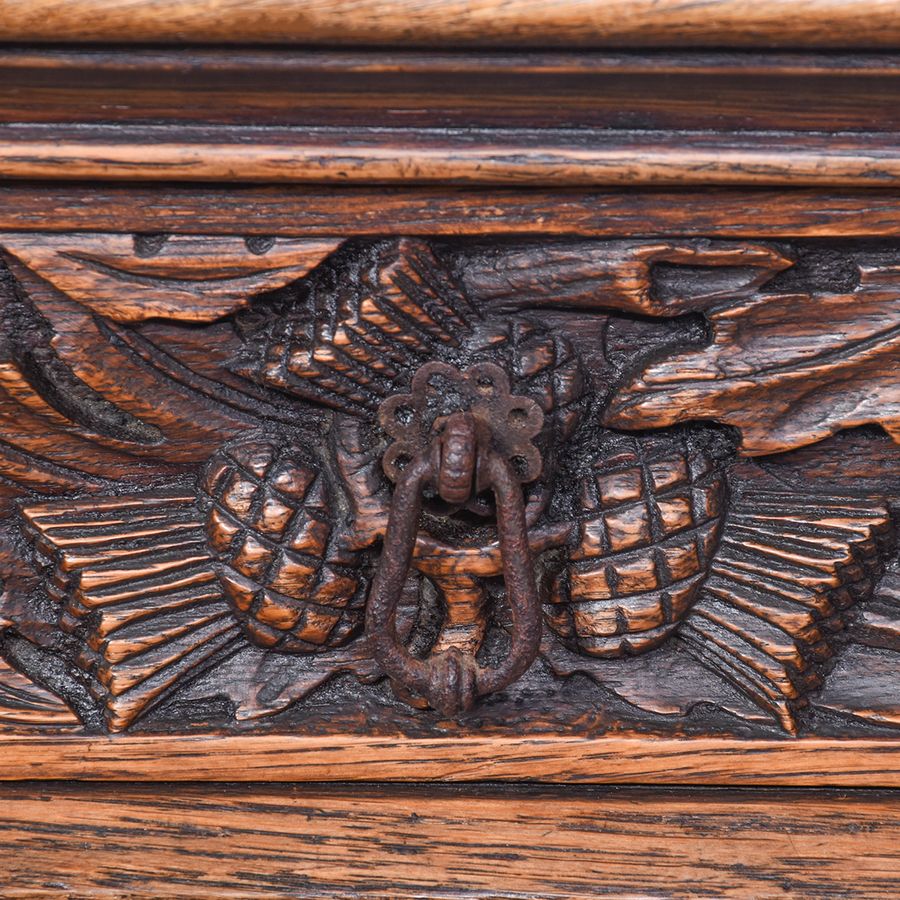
(438, 842)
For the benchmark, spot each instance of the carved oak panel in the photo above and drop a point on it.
(438, 486)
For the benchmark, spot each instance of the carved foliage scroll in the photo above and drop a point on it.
(198, 476)
(784, 368)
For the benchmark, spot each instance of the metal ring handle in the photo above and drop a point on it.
(451, 680)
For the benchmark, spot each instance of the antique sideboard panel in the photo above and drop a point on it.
(204, 437)
(498, 393)
(450, 414)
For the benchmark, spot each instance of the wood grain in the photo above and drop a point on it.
(287, 210)
(215, 593)
(211, 276)
(608, 760)
(184, 597)
(850, 381)
(373, 143)
(754, 90)
(810, 23)
(523, 157)
(266, 841)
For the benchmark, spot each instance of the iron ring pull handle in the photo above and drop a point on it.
(451, 680)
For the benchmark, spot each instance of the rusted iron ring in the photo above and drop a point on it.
(452, 680)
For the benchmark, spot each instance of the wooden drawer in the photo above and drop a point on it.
(474, 414)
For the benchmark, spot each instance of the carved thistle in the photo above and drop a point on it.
(417, 485)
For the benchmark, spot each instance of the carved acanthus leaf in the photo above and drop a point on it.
(787, 370)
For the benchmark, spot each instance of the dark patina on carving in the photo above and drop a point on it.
(470, 473)
(485, 394)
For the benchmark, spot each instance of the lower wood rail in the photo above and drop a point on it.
(248, 841)
(713, 761)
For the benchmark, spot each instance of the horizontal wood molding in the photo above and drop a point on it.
(503, 118)
(562, 759)
(808, 23)
(197, 62)
(559, 158)
(275, 841)
(291, 210)
(637, 90)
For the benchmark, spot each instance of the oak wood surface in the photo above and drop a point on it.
(611, 759)
(485, 147)
(493, 146)
(116, 566)
(528, 118)
(521, 157)
(811, 23)
(383, 210)
(251, 841)
(753, 90)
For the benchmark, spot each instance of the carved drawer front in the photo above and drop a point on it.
(498, 393)
(470, 414)
(598, 492)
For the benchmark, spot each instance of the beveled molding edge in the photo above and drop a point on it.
(629, 759)
(558, 158)
(559, 120)
(640, 23)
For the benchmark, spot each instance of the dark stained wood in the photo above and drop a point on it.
(854, 369)
(578, 119)
(610, 333)
(22, 702)
(524, 407)
(203, 445)
(271, 387)
(264, 841)
(206, 278)
(754, 91)
(287, 210)
(522, 157)
(812, 23)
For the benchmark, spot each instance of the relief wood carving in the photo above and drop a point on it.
(438, 486)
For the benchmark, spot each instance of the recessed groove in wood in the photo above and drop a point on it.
(643, 90)
(95, 62)
(810, 23)
(559, 158)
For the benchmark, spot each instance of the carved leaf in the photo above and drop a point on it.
(133, 580)
(396, 307)
(787, 574)
(191, 278)
(22, 702)
(787, 370)
(83, 397)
